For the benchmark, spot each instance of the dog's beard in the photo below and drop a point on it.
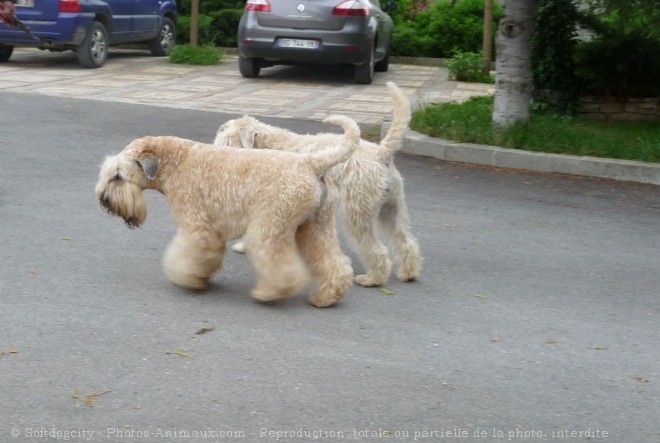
(124, 199)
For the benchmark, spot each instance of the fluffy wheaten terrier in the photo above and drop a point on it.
(370, 187)
(276, 201)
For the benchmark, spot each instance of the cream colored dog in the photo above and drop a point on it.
(370, 186)
(276, 201)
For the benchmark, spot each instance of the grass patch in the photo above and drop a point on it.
(470, 122)
(196, 55)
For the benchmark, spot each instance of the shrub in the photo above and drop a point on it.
(468, 67)
(441, 29)
(205, 33)
(555, 39)
(219, 28)
(620, 66)
(199, 55)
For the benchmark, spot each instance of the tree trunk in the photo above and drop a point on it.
(514, 79)
(488, 36)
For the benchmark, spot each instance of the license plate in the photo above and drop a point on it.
(295, 43)
(25, 3)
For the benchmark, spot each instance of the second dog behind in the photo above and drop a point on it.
(370, 188)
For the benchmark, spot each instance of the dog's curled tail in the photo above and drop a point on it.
(400, 120)
(321, 161)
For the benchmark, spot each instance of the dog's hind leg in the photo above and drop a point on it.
(393, 218)
(331, 270)
(361, 226)
(279, 267)
(192, 258)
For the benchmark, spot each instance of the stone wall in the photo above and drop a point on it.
(610, 108)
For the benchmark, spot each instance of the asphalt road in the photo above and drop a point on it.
(536, 317)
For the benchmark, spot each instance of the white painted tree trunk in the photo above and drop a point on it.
(514, 79)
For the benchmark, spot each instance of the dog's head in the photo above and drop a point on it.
(238, 133)
(122, 179)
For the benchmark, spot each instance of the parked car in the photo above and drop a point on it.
(355, 32)
(90, 27)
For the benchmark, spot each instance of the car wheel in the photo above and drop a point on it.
(384, 64)
(364, 73)
(249, 67)
(163, 43)
(5, 53)
(93, 51)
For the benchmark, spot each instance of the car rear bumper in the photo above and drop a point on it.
(334, 47)
(68, 30)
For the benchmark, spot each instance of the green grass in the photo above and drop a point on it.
(196, 55)
(470, 122)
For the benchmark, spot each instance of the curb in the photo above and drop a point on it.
(621, 170)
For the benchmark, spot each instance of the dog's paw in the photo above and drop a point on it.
(368, 281)
(239, 247)
(408, 276)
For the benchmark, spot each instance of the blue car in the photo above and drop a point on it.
(90, 27)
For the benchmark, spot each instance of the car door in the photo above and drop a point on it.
(122, 17)
(146, 15)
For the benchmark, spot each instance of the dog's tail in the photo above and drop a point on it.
(321, 161)
(400, 120)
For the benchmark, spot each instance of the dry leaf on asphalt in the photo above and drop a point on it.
(481, 297)
(204, 330)
(641, 379)
(386, 291)
(89, 398)
(180, 353)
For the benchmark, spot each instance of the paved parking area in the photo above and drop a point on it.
(133, 76)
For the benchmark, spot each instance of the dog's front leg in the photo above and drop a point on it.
(191, 259)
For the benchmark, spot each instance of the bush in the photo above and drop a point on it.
(219, 28)
(468, 67)
(199, 55)
(441, 29)
(555, 39)
(205, 34)
(620, 66)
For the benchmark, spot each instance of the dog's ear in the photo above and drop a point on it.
(150, 165)
(248, 135)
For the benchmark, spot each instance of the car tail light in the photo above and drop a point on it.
(351, 7)
(69, 5)
(257, 5)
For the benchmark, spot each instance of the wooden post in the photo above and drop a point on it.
(488, 36)
(194, 23)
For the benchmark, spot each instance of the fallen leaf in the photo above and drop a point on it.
(89, 398)
(75, 394)
(33, 271)
(181, 353)
(204, 330)
(64, 237)
(496, 339)
(480, 297)
(641, 379)
(599, 348)
(386, 291)
(551, 341)
(13, 351)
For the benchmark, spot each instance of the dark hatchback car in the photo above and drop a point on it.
(283, 32)
(90, 27)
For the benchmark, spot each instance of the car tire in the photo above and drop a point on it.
(93, 51)
(384, 64)
(5, 53)
(364, 73)
(163, 43)
(249, 67)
